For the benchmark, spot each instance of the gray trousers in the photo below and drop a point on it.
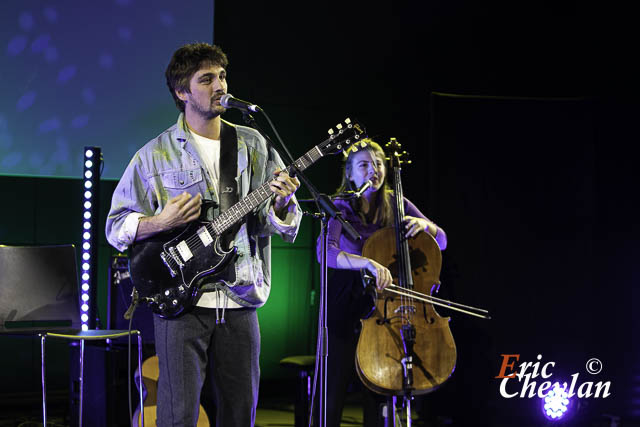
(193, 346)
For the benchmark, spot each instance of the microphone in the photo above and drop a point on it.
(228, 101)
(362, 189)
(355, 194)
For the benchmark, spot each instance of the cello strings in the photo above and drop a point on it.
(401, 242)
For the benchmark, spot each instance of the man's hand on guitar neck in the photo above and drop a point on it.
(283, 186)
(178, 211)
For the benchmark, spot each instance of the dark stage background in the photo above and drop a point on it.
(519, 117)
(520, 120)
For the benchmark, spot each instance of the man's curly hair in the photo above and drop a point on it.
(186, 61)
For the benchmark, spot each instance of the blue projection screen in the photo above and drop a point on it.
(80, 73)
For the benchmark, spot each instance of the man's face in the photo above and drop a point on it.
(207, 86)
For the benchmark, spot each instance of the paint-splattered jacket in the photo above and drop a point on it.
(169, 165)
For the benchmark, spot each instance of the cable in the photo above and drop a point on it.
(129, 315)
(315, 369)
(129, 372)
(275, 131)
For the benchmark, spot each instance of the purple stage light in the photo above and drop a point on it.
(556, 403)
(91, 180)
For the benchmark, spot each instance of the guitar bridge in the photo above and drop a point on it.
(163, 256)
(176, 256)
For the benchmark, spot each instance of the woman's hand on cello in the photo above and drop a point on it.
(382, 273)
(415, 225)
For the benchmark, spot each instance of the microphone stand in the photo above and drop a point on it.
(327, 210)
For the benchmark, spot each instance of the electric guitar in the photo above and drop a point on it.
(167, 269)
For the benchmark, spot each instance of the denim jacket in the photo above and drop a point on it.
(169, 165)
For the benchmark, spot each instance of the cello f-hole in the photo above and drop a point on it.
(429, 319)
(385, 319)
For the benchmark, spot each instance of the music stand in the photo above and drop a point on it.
(39, 296)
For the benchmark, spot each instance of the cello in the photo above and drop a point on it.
(405, 347)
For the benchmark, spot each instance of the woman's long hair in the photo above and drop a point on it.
(384, 211)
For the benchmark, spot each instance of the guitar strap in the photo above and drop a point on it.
(228, 187)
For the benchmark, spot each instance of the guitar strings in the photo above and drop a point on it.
(231, 216)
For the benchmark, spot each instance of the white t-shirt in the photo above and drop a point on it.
(209, 151)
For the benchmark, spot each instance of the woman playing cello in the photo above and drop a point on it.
(347, 303)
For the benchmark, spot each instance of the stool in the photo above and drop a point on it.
(304, 365)
(82, 336)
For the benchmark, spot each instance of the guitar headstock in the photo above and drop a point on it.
(397, 157)
(342, 136)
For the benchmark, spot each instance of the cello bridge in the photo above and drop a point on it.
(405, 309)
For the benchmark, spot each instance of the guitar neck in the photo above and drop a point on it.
(238, 211)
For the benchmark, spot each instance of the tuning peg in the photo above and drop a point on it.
(347, 121)
(339, 126)
(330, 131)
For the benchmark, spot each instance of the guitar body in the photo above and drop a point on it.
(169, 279)
(150, 374)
